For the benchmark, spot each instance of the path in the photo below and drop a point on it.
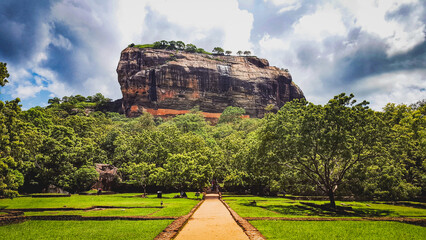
(212, 221)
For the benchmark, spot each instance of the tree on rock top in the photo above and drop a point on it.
(218, 50)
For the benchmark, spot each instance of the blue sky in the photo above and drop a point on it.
(375, 49)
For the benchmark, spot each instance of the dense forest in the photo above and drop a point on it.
(342, 148)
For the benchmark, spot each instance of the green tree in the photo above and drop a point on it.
(239, 52)
(54, 100)
(218, 50)
(10, 144)
(228, 52)
(3, 74)
(180, 45)
(188, 171)
(84, 178)
(172, 45)
(140, 174)
(190, 48)
(247, 53)
(323, 142)
(231, 114)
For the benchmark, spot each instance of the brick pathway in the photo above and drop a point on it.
(212, 220)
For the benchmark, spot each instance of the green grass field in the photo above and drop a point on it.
(119, 229)
(283, 207)
(338, 230)
(171, 206)
(84, 229)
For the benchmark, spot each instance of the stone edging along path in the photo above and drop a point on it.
(172, 230)
(416, 221)
(69, 209)
(248, 229)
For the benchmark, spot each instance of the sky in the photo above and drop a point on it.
(375, 49)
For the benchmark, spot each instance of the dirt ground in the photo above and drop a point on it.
(213, 221)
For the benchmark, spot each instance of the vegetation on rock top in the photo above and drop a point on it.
(181, 46)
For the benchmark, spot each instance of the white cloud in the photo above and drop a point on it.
(205, 18)
(27, 90)
(61, 41)
(407, 86)
(401, 36)
(285, 5)
(324, 22)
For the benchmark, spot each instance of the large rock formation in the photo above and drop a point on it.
(164, 82)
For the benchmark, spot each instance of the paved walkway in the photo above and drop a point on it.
(212, 220)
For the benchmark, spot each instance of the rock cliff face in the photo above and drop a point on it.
(164, 82)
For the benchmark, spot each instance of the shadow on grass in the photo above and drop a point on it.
(406, 204)
(312, 209)
(348, 211)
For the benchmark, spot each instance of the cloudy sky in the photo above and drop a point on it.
(375, 49)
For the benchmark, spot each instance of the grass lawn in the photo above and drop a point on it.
(338, 230)
(282, 207)
(146, 229)
(84, 229)
(171, 206)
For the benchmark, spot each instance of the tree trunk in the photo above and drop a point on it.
(331, 197)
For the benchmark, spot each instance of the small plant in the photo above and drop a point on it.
(131, 45)
(172, 57)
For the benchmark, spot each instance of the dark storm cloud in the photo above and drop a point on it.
(401, 13)
(371, 59)
(20, 28)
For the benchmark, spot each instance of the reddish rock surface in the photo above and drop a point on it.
(165, 83)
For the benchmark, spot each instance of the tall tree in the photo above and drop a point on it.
(323, 142)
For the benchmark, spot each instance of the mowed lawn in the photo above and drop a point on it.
(273, 229)
(149, 205)
(120, 229)
(283, 207)
(130, 204)
(255, 206)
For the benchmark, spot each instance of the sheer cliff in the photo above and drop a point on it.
(165, 82)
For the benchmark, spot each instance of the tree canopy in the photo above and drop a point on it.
(340, 148)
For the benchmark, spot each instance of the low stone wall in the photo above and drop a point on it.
(10, 219)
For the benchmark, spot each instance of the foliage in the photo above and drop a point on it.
(84, 178)
(247, 53)
(218, 50)
(3, 74)
(228, 52)
(231, 114)
(340, 148)
(323, 142)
